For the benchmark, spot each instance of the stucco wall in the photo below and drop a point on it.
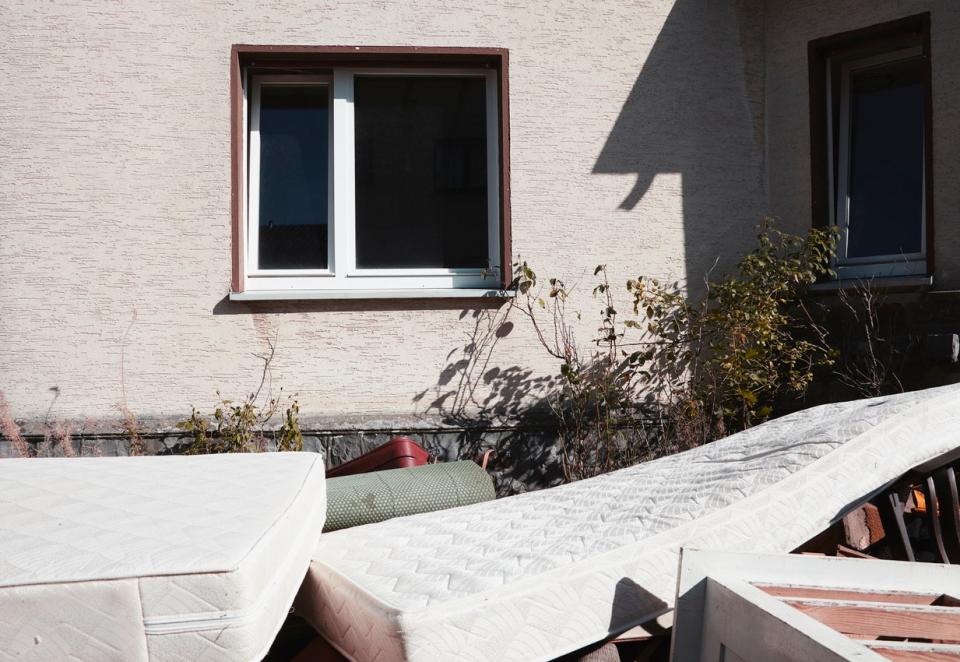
(790, 26)
(636, 130)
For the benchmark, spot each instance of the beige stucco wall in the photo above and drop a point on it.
(637, 132)
(789, 28)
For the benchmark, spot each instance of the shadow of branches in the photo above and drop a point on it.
(671, 372)
(503, 409)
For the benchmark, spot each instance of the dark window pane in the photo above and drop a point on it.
(294, 137)
(421, 184)
(886, 160)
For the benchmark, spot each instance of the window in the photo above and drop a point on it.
(370, 176)
(871, 101)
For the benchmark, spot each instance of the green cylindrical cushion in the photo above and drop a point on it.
(382, 495)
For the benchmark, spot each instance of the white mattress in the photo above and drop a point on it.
(541, 574)
(153, 558)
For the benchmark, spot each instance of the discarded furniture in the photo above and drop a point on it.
(382, 495)
(154, 558)
(928, 492)
(538, 575)
(397, 453)
(737, 607)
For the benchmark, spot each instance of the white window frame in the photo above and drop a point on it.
(253, 199)
(342, 273)
(903, 264)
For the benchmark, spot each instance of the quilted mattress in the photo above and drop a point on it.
(541, 574)
(153, 558)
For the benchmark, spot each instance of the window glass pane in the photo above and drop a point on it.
(886, 160)
(294, 138)
(421, 183)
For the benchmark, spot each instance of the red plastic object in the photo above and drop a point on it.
(398, 453)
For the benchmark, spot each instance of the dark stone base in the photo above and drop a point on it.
(523, 459)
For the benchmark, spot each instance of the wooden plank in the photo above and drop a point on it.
(848, 594)
(890, 648)
(862, 527)
(917, 656)
(741, 619)
(874, 592)
(936, 623)
(850, 553)
(874, 523)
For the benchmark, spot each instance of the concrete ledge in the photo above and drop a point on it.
(313, 295)
(879, 284)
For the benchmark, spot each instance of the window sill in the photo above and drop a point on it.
(918, 282)
(311, 295)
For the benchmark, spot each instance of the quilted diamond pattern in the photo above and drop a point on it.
(159, 558)
(540, 574)
(73, 519)
(81, 621)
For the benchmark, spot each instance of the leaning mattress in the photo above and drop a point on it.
(153, 558)
(541, 574)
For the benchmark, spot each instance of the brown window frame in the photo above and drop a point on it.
(881, 38)
(303, 59)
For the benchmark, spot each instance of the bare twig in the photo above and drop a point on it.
(11, 430)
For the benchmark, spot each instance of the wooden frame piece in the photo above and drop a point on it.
(733, 606)
(322, 59)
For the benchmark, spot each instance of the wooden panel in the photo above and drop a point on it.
(850, 553)
(848, 594)
(917, 656)
(931, 623)
(739, 618)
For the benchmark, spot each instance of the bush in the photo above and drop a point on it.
(241, 428)
(680, 371)
(749, 340)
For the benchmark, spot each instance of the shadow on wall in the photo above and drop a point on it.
(501, 408)
(696, 109)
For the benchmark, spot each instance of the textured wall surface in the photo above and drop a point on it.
(789, 27)
(637, 140)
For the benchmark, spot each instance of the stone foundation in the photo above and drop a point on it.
(524, 459)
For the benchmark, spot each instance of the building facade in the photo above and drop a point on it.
(651, 136)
